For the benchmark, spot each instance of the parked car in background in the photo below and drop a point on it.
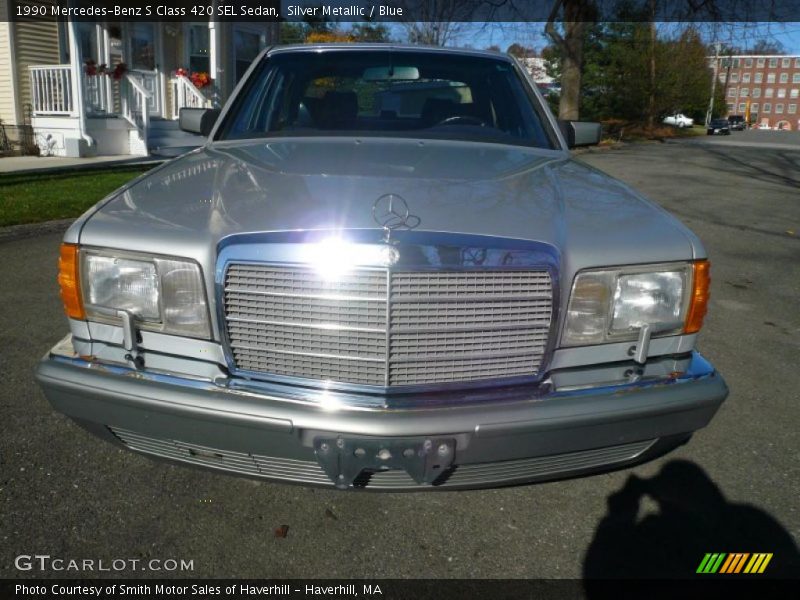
(737, 123)
(678, 120)
(718, 127)
(384, 270)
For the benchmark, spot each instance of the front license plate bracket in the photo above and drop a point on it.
(345, 459)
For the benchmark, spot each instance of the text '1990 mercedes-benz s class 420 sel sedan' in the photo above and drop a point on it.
(383, 270)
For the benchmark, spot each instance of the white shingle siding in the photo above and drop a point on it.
(35, 43)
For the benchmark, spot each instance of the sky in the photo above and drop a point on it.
(482, 35)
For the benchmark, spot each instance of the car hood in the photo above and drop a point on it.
(186, 206)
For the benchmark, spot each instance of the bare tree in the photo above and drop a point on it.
(574, 15)
(437, 22)
(767, 46)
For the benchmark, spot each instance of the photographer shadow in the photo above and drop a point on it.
(685, 516)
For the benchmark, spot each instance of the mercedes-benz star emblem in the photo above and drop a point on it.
(391, 212)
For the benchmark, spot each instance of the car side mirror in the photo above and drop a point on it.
(580, 133)
(198, 120)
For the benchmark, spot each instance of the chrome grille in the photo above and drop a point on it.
(386, 328)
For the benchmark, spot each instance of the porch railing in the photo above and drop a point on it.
(186, 95)
(134, 105)
(51, 90)
(97, 94)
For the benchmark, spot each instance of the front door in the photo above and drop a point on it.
(95, 85)
(144, 50)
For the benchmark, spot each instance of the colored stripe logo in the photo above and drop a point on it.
(735, 562)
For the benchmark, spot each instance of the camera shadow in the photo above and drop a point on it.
(662, 527)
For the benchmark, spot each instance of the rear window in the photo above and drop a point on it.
(388, 93)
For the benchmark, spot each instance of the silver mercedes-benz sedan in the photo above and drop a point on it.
(384, 270)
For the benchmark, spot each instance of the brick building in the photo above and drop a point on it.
(771, 85)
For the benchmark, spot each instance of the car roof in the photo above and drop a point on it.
(345, 47)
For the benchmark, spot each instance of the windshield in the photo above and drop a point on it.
(432, 95)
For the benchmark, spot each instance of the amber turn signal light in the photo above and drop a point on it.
(698, 304)
(69, 281)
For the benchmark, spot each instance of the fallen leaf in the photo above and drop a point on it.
(330, 514)
(282, 531)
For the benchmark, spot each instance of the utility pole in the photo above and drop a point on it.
(710, 110)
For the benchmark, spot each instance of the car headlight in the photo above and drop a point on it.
(610, 305)
(163, 294)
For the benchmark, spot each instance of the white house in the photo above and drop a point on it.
(537, 68)
(52, 77)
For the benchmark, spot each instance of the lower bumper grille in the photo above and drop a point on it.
(310, 473)
(387, 328)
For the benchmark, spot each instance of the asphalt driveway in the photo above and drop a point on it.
(66, 494)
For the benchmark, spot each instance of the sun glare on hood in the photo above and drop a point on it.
(334, 257)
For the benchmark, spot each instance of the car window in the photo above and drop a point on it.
(388, 93)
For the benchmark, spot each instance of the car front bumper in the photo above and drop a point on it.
(568, 429)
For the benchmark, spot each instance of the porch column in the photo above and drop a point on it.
(215, 63)
(76, 70)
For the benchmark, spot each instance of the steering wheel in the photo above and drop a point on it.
(462, 119)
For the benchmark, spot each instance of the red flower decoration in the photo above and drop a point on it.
(91, 68)
(200, 80)
(119, 71)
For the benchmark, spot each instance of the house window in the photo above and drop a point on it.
(725, 62)
(723, 76)
(63, 42)
(246, 46)
(770, 77)
(732, 92)
(795, 77)
(746, 78)
(87, 40)
(786, 63)
(767, 107)
(794, 93)
(756, 92)
(769, 93)
(742, 107)
(782, 93)
(773, 62)
(744, 92)
(748, 62)
(784, 78)
(143, 46)
(760, 62)
(199, 61)
(754, 108)
(792, 109)
(797, 63)
(779, 108)
(759, 77)
(735, 63)
(734, 77)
